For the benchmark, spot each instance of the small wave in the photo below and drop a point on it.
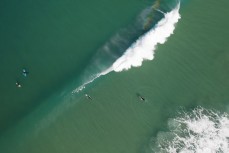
(201, 131)
(91, 80)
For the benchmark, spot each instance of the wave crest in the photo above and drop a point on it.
(144, 47)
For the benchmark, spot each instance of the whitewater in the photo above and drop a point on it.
(144, 47)
(198, 131)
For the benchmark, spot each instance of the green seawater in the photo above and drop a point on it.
(56, 39)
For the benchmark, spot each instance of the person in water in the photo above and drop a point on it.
(25, 72)
(88, 97)
(140, 97)
(18, 84)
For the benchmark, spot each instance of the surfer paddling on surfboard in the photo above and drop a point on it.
(88, 97)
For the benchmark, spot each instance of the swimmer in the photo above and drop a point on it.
(25, 72)
(18, 84)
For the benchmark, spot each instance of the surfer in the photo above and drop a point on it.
(25, 72)
(18, 84)
(88, 97)
(140, 97)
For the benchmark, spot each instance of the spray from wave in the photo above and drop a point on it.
(143, 48)
(201, 131)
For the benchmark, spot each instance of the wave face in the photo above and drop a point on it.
(201, 131)
(142, 49)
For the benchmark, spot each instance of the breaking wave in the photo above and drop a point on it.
(143, 48)
(200, 131)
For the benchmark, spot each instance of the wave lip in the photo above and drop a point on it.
(144, 47)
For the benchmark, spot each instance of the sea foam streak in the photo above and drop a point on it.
(201, 131)
(144, 47)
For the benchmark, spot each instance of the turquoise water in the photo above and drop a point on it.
(188, 70)
(54, 40)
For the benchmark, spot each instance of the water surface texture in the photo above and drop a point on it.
(172, 54)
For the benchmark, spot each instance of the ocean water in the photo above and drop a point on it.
(182, 73)
(54, 40)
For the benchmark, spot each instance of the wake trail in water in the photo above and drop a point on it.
(144, 47)
(201, 131)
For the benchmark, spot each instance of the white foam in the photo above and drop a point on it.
(201, 131)
(91, 80)
(144, 47)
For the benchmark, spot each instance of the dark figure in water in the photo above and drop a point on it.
(25, 72)
(140, 97)
(18, 84)
(88, 97)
